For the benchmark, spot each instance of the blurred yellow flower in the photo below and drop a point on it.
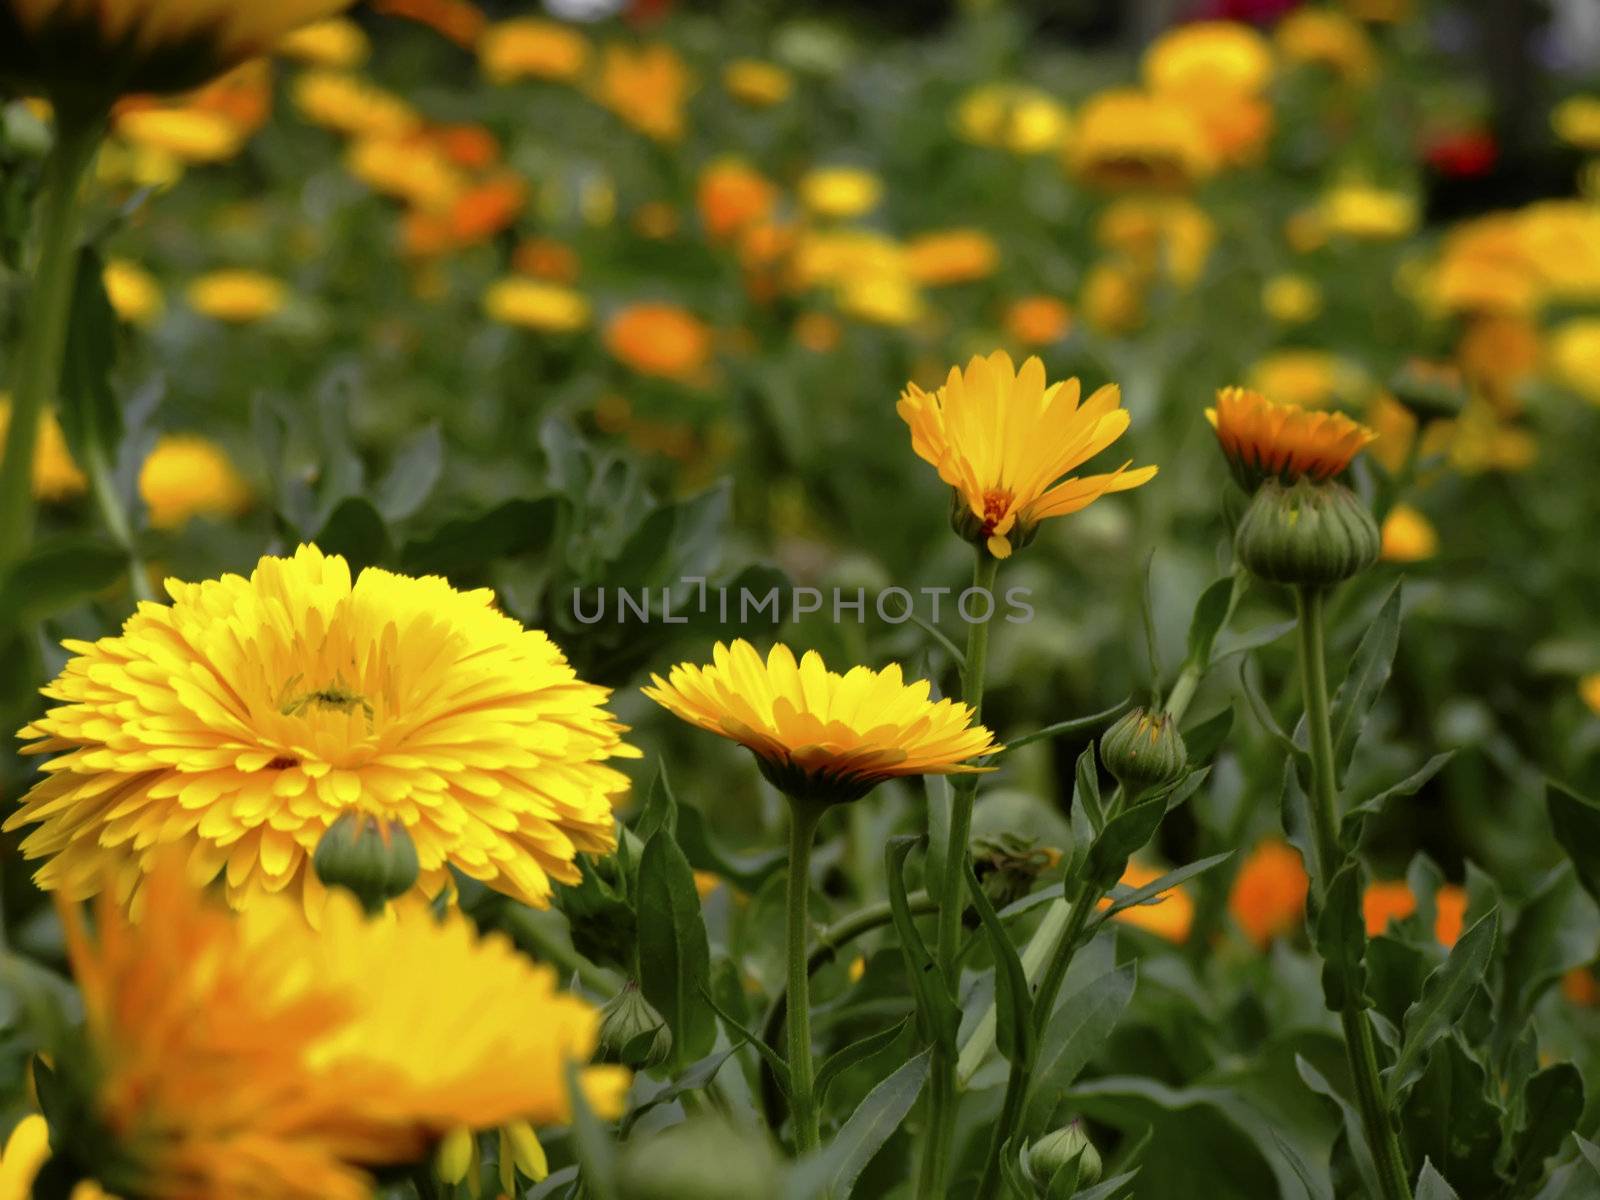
(1169, 236)
(530, 48)
(186, 476)
(1324, 38)
(242, 721)
(647, 88)
(238, 296)
(1479, 440)
(1131, 139)
(1014, 117)
(532, 304)
(1358, 210)
(659, 339)
(1291, 299)
(840, 193)
(337, 42)
(351, 105)
(1574, 356)
(1113, 298)
(818, 735)
(408, 169)
(1263, 439)
(133, 292)
(834, 256)
(56, 477)
(756, 83)
(951, 256)
(1205, 56)
(1408, 536)
(1033, 321)
(1486, 265)
(25, 1152)
(1005, 441)
(732, 196)
(1169, 916)
(1589, 689)
(1308, 378)
(1562, 241)
(191, 135)
(881, 298)
(1576, 121)
(1499, 354)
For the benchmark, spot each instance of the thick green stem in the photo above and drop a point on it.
(44, 340)
(1358, 1040)
(803, 821)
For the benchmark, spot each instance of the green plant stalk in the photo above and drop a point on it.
(1358, 1038)
(952, 900)
(116, 518)
(38, 376)
(803, 820)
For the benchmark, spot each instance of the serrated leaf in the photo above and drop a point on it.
(674, 956)
(1445, 995)
(1341, 939)
(1354, 819)
(1012, 996)
(1369, 671)
(1071, 1036)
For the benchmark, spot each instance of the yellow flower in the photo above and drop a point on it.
(238, 1057)
(1004, 440)
(187, 476)
(191, 135)
(1574, 356)
(1576, 121)
(1498, 355)
(1038, 320)
(1291, 299)
(881, 298)
(25, 1152)
(1589, 689)
(351, 105)
(133, 292)
(528, 48)
(1209, 56)
(56, 477)
(407, 169)
(951, 256)
(756, 83)
(1308, 378)
(733, 196)
(337, 43)
(1113, 298)
(1166, 235)
(1485, 266)
(1562, 238)
(647, 88)
(1131, 139)
(1263, 439)
(659, 339)
(840, 193)
(818, 735)
(98, 51)
(237, 296)
(1014, 117)
(532, 304)
(1356, 210)
(1169, 916)
(243, 720)
(1408, 536)
(1330, 40)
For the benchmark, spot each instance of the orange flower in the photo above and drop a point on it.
(1580, 987)
(1269, 895)
(1392, 900)
(646, 88)
(1038, 320)
(732, 197)
(462, 22)
(1169, 916)
(546, 258)
(951, 256)
(470, 146)
(1262, 439)
(659, 339)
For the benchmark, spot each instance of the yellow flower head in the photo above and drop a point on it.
(1166, 236)
(528, 48)
(820, 736)
(237, 296)
(188, 476)
(647, 88)
(351, 105)
(1263, 439)
(1308, 378)
(756, 83)
(1574, 356)
(1003, 439)
(1131, 139)
(237, 1057)
(951, 256)
(1014, 117)
(337, 42)
(93, 52)
(534, 304)
(1362, 212)
(1576, 121)
(840, 193)
(190, 135)
(240, 722)
(133, 292)
(1321, 37)
(1209, 56)
(1291, 299)
(1408, 536)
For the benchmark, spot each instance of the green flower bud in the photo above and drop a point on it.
(1144, 750)
(1043, 1160)
(1312, 534)
(632, 1032)
(704, 1158)
(371, 857)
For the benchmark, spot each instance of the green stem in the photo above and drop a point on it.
(44, 340)
(115, 516)
(1358, 1039)
(803, 819)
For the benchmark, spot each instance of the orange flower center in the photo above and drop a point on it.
(996, 503)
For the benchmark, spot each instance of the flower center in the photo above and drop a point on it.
(334, 697)
(996, 503)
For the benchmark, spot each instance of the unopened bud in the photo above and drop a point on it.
(1310, 534)
(632, 1032)
(1056, 1152)
(373, 858)
(1144, 750)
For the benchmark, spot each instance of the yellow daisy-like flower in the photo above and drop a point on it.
(348, 104)
(96, 51)
(1576, 121)
(1574, 356)
(133, 292)
(950, 256)
(241, 1057)
(1363, 212)
(840, 193)
(338, 42)
(1131, 139)
(819, 736)
(528, 48)
(1262, 439)
(756, 83)
(534, 304)
(1291, 299)
(1408, 536)
(647, 88)
(56, 475)
(240, 722)
(1003, 439)
(238, 297)
(1014, 117)
(1321, 37)
(190, 135)
(187, 476)
(1209, 56)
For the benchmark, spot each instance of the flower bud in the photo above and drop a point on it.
(453, 1159)
(1311, 534)
(704, 1158)
(373, 858)
(1007, 866)
(1144, 750)
(632, 1032)
(520, 1148)
(1056, 1152)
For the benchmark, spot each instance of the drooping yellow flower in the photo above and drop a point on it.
(133, 292)
(1205, 56)
(1014, 117)
(529, 48)
(1004, 439)
(240, 722)
(534, 304)
(1574, 356)
(1127, 138)
(187, 476)
(238, 297)
(1408, 536)
(1576, 121)
(818, 735)
(92, 53)
(56, 475)
(647, 88)
(237, 1057)
(349, 104)
(1263, 439)
(337, 42)
(756, 83)
(840, 193)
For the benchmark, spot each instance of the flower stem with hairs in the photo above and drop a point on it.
(803, 821)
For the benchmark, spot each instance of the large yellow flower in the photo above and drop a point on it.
(95, 51)
(1262, 439)
(820, 736)
(1003, 439)
(1131, 139)
(243, 720)
(237, 1058)
(1209, 56)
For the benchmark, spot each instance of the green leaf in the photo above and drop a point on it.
(936, 1008)
(660, 809)
(1210, 614)
(856, 1052)
(1166, 882)
(462, 547)
(1354, 1131)
(1012, 997)
(1576, 822)
(1315, 1182)
(55, 575)
(1071, 1036)
(1073, 725)
(779, 1068)
(1354, 820)
(1369, 671)
(592, 1146)
(1108, 1188)
(1264, 718)
(674, 957)
(1123, 834)
(1552, 1102)
(941, 800)
(1451, 1117)
(1431, 1185)
(356, 530)
(412, 475)
(89, 414)
(1445, 995)
(748, 871)
(1555, 930)
(833, 1170)
(1086, 789)
(696, 1077)
(1341, 939)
